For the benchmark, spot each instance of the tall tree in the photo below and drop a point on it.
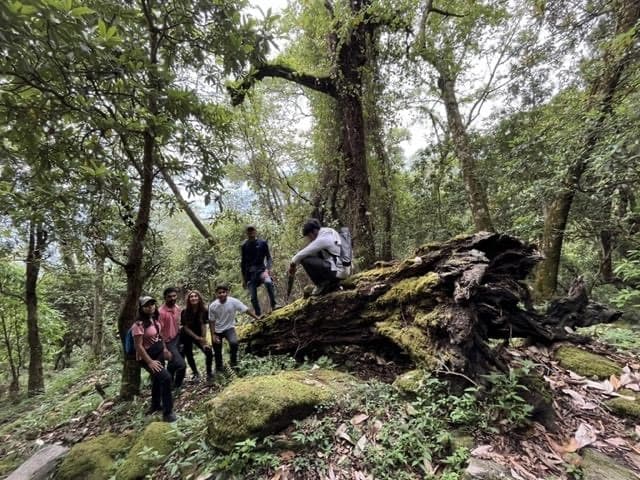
(619, 49)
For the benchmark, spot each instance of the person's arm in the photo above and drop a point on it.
(242, 308)
(243, 265)
(322, 242)
(212, 325)
(154, 365)
(183, 322)
(267, 256)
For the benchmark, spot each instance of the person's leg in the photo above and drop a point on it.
(177, 368)
(208, 355)
(232, 338)
(217, 351)
(156, 391)
(268, 284)
(252, 285)
(187, 342)
(163, 379)
(319, 270)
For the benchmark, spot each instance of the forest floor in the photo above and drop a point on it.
(375, 433)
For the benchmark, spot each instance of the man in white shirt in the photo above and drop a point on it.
(320, 258)
(222, 321)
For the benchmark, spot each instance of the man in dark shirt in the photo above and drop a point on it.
(255, 265)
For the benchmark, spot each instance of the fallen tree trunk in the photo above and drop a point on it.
(440, 307)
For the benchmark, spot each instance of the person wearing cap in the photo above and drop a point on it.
(151, 353)
(255, 265)
(222, 322)
(169, 315)
(320, 257)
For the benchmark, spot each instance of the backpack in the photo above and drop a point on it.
(129, 343)
(346, 248)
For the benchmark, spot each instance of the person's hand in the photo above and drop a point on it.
(155, 366)
(216, 339)
(167, 354)
(292, 269)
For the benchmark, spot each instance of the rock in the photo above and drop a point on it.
(597, 466)
(623, 407)
(160, 438)
(586, 363)
(260, 406)
(93, 459)
(486, 470)
(41, 464)
(538, 394)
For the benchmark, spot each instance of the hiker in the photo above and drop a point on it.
(255, 266)
(193, 319)
(321, 258)
(169, 318)
(151, 352)
(222, 322)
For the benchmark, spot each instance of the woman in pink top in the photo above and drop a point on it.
(151, 353)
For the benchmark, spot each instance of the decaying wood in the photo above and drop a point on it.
(440, 307)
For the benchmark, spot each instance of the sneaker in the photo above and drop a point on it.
(170, 418)
(231, 372)
(195, 378)
(210, 380)
(177, 391)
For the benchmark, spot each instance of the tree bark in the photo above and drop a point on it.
(37, 243)
(476, 193)
(601, 99)
(98, 310)
(438, 308)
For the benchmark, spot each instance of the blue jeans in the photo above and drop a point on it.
(254, 283)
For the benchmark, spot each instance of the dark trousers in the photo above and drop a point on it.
(188, 343)
(319, 270)
(253, 285)
(232, 338)
(160, 382)
(176, 367)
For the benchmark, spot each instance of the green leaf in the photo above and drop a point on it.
(81, 11)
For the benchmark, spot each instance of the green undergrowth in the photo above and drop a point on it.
(404, 438)
(625, 337)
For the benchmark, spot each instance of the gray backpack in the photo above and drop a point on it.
(346, 247)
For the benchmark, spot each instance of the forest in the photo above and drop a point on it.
(483, 155)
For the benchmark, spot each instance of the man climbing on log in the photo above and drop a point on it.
(320, 258)
(255, 265)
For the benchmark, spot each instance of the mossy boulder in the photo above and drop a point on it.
(597, 466)
(93, 459)
(150, 449)
(410, 382)
(624, 407)
(260, 406)
(586, 363)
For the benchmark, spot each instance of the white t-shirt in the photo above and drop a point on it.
(224, 314)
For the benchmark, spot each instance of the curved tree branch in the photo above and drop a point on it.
(319, 84)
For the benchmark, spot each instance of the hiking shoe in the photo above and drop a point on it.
(231, 372)
(195, 378)
(210, 380)
(170, 417)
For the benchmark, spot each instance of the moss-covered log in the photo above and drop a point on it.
(440, 307)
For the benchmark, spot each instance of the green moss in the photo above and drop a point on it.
(259, 406)
(370, 276)
(623, 407)
(410, 382)
(586, 363)
(9, 463)
(409, 289)
(413, 340)
(437, 316)
(151, 448)
(93, 459)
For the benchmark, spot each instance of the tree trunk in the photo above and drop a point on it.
(130, 382)
(14, 363)
(437, 309)
(98, 299)
(476, 193)
(37, 242)
(601, 98)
